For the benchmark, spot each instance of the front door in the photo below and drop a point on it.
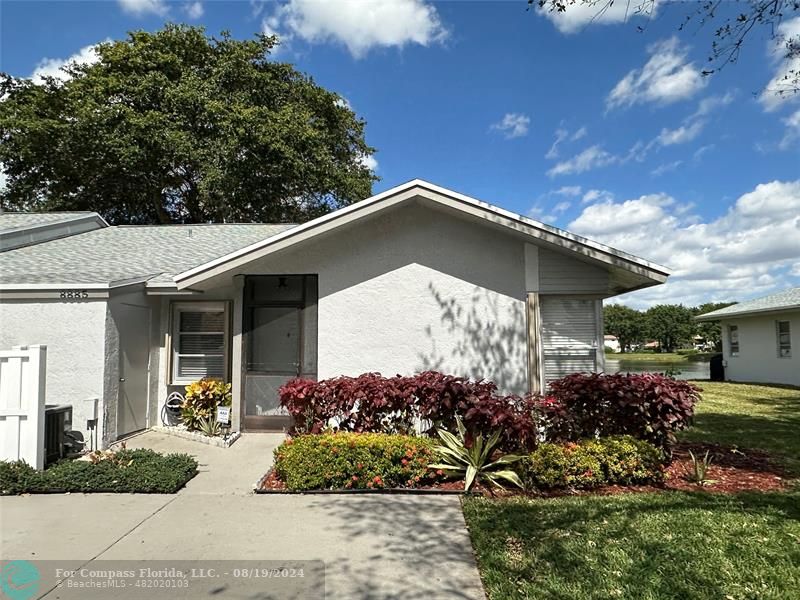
(133, 324)
(280, 343)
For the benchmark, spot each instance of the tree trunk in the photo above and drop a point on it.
(161, 212)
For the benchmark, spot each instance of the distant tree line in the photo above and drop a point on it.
(671, 325)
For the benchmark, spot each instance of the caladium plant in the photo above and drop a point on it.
(474, 462)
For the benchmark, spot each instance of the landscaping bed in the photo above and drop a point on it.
(123, 471)
(732, 470)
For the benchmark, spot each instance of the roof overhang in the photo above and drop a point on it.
(648, 273)
(26, 235)
(747, 313)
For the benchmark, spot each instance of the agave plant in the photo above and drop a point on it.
(698, 473)
(209, 427)
(473, 463)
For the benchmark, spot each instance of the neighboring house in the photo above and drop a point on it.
(415, 278)
(611, 341)
(761, 338)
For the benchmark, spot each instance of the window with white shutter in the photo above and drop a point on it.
(784, 335)
(199, 341)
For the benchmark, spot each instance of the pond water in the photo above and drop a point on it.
(688, 369)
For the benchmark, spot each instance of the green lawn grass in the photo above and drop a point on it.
(658, 357)
(662, 545)
(750, 416)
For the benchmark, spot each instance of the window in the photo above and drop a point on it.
(199, 341)
(733, 339)
(784, 334)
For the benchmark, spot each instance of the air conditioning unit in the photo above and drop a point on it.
(57, 421)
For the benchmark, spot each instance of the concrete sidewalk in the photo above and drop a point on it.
(372, 546)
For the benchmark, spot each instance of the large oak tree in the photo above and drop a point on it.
(176, 126)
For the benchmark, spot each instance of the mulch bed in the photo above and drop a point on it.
(732, 470)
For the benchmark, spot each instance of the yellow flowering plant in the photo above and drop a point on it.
(201, 401)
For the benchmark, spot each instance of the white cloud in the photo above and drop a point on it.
(792, 133)
(513, 125)
(711, 103)
(593, 195)
(568, 190)
(563, 135)
(51, 67)
(581, 133)
(579, 15)
(562, 207)
(194, 10)
(370, 162)
(701, 152)
(685, 133)
(779, 89)
(667, 77)
(666, 168)
(359, 26)
(746, 252)
(591, 158)
(140, 8)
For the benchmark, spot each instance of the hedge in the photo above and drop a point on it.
(620, 460)
(646, 406)
(348, 460)
(373, 403)
(141, 470)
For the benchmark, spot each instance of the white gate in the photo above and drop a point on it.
(22, 388)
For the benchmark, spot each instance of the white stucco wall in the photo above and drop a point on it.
(415, 289)
(758, 350)
(74, 333)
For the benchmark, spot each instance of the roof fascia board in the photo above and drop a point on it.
(746, 313)
(70, 221)
(434, 193)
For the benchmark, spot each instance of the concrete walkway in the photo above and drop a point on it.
(372, 546)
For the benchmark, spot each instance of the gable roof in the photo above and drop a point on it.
(646, 273)
(118, 255)
(785, 300)
(24, 229)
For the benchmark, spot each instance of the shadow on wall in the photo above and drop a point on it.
(489, 340)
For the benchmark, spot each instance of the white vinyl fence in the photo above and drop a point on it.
(22, 388)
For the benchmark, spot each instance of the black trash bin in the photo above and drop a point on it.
(717, 368)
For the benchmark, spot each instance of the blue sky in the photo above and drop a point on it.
(598, 128)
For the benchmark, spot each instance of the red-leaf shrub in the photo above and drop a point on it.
(647, 406)
(372, 403)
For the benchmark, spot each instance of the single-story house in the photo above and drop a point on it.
(761, 338)
(611, 341)
(418, 277)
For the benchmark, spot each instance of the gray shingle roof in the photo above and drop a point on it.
(14, 220)
(114, 254)
(788, 299)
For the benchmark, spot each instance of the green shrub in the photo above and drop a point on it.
(562, 465)
(588, 463)
(355, 460)
(17, 477)
(626, 460)
(142, 471)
